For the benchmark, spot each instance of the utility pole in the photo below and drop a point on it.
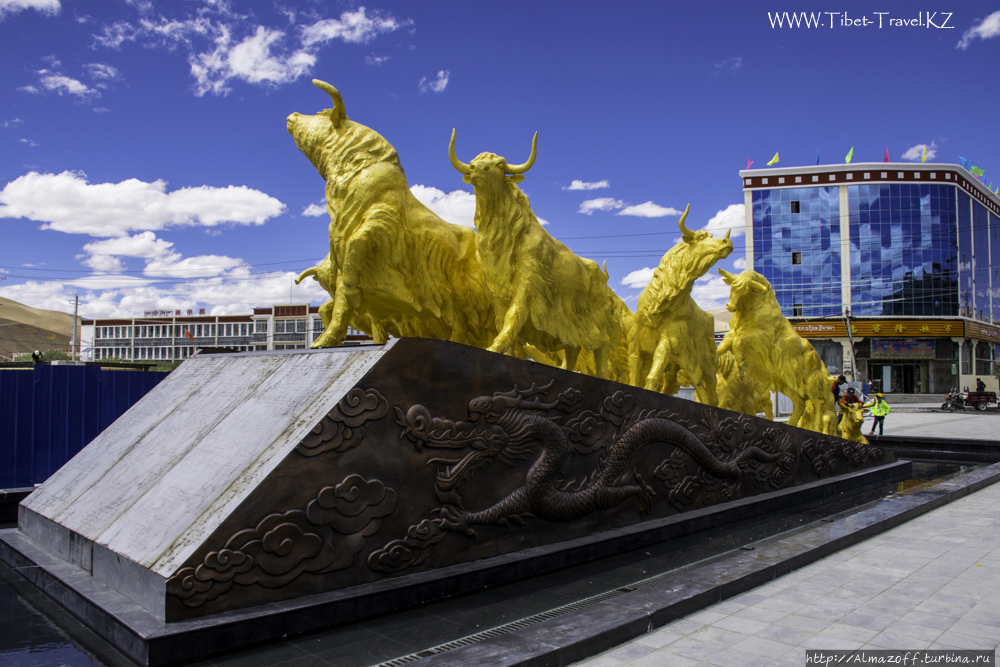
(74, 342)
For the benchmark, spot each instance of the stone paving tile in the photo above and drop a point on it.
(658, 638)
(786, 606)
(762, 646)
(767, 615)
(732, 656)
(662, 658)
(935, 621)
(850, 632)
(718, 636)
(785, 634)
(930, 583)
(629, 652)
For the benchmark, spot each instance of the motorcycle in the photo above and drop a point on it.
(953, 400)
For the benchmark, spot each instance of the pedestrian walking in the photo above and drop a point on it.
(879, 410)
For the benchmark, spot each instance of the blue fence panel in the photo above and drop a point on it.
(49, 413)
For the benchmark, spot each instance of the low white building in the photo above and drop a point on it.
(175, 334)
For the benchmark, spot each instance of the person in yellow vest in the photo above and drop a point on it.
(879, 410)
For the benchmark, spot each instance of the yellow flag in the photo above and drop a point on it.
(773, 160)
(850, 154)
(923, 158)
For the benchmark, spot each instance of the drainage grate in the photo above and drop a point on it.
(507, 627)
(543, 616)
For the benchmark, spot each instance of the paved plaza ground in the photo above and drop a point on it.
(932, 583)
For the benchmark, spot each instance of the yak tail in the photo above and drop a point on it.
(604, 267)
(305, 274)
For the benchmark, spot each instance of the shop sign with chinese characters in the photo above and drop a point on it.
(885, 329)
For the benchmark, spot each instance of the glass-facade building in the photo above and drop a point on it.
(902, 251)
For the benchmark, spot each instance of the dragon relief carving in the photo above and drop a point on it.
(326, 536)
(343, 427)
(522, 425)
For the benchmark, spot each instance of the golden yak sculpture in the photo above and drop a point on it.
(772, 355)
(394, 266)
(541, 292)
(852, 421)
(739, 393)
(672, 341)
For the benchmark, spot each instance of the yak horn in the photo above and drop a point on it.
(521, 168)
(338, 101)
(727, 232)
(455, 162)
(684, 230)
(728, 276)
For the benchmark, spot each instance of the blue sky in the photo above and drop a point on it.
(144, 161)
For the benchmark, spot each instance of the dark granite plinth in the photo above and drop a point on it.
(151, 641)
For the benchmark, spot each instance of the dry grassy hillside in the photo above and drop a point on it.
(25, 329)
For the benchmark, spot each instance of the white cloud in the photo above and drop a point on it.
(600, 204)
(710, 292)
(227, 47)
(66, 202)
(314, 210)
(144, 245)
(437, 85)
(732, 65)
(11, 123)
(740, 263)
(251, 60)
(352, 27)
(457, 206)
(638, 279)
(732, 217)
(202, 266)
(29, 142)
(916, 152)
(61, 85)
(541, 221)
(581, 185)
(376, 60)
(985, 29)
(649, 210)
(50, 7)
(102, 71)
(104, 263)
(101, 110)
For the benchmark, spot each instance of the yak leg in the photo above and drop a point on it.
(337, 328)
(602, 362)
(513, 322)
(798, 408)
(659, 363)
(572, 354)
(459, 328)
(635, 365)
(705, 392)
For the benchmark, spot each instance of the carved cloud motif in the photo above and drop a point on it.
(343, 427)
(326, 537)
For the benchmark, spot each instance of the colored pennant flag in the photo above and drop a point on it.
(749, 162)
(886, 154)
(187, 334)
(817, 157)
(976, 171)
(923, 158)
(965, 163)
(774, 160)
(850, 154)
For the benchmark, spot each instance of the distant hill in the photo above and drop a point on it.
(25, 329)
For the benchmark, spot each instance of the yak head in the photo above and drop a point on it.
(699, 249)
(489, 170)
(311, 133)
(746, 290)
